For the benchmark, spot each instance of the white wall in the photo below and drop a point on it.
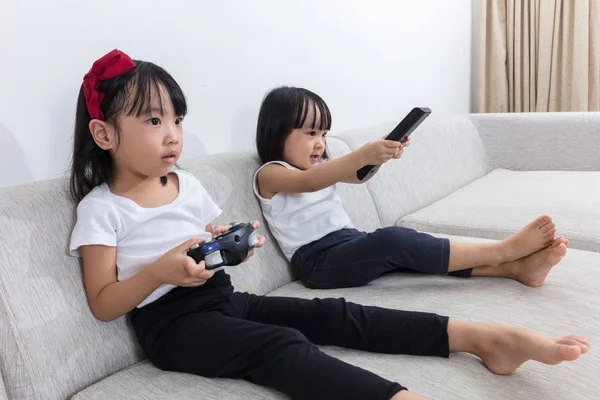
(371, 60)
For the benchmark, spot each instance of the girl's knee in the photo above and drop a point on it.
(396, 232)
(278, 339)
(290, 335)
(312, 284)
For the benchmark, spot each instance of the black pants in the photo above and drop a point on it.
(348, 257)
(214, 332)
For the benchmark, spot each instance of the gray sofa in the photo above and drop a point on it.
(472, 177)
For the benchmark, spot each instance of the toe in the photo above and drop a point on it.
(547, 228)
(550, 234)
(543, 220)
(568, 352)
(574, 342)
(579, 339)
(559, 251)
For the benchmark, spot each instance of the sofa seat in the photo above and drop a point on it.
(566, 304)
(503, 201)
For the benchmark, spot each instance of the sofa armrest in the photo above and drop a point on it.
(560, 141)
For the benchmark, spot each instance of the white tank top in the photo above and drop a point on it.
(296, 219)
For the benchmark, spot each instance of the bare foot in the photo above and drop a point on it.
(536, 235)
(507, 348)
(532, 270)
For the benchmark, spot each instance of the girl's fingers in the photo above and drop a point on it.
(205, 274)
(391, 144)
(261, 241)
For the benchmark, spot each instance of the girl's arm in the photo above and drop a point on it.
(276, 178)
(354, 179)
(109, 298)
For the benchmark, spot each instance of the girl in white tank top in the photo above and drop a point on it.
(296, 187)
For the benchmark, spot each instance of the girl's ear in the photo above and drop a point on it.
(103, 134)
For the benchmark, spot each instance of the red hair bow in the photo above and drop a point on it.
(109, 66)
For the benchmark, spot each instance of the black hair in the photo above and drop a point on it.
(127, 94)
(284, 109)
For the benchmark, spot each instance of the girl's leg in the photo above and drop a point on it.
(350, 258)
(212, 344)
(537, 235)
(202, 331)
(342, 323)
(504, 348)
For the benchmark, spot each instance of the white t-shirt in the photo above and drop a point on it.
(142, 235)
(296, 219)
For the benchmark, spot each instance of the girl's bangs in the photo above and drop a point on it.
(147, 84)
(321, 114)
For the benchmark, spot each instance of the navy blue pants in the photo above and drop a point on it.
(215, 332)
(348, 257)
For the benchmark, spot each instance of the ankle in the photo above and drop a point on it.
(486, 336)
(499, 253)
(406, 395)
(511, 269)
(468, 337)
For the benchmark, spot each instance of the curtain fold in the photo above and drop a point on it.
(539, 55)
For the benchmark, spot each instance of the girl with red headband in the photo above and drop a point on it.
(137, 217)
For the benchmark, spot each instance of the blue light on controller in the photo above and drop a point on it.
(211, 248)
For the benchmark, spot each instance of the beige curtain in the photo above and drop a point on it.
(539, 55)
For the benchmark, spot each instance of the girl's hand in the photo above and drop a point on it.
(400, 150)
(255, 225)
(217, 230)
(261, 239)
(379, 151)
(177, 268)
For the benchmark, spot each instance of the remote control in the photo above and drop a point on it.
(400, 133)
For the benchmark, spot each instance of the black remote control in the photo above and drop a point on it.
(400, 133)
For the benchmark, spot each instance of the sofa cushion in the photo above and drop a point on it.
(51, 344)
(502, 202)
(143, 381)
(443, 157)
(568, 303)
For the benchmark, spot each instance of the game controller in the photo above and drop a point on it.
(400, 133)
(228, 248)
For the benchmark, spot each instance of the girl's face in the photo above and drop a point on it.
(304, 147)
(149, 145)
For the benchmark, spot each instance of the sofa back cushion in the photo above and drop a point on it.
(444, 156)
(51, 345)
